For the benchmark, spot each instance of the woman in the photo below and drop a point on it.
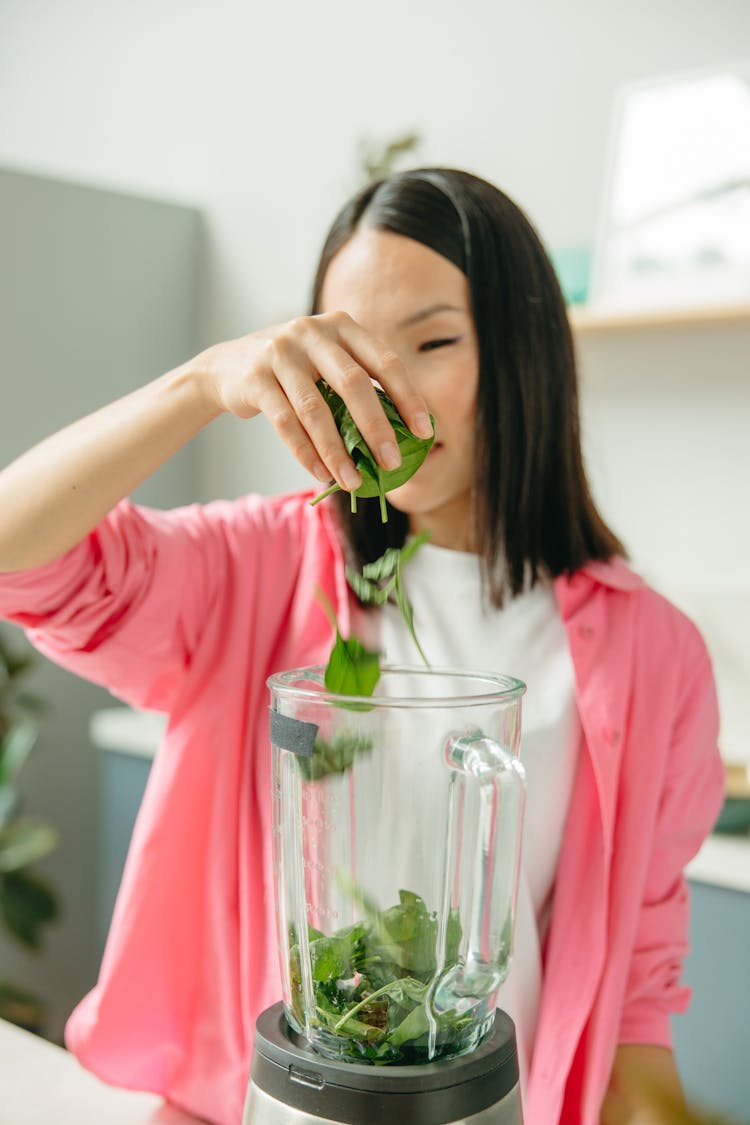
(435, 285)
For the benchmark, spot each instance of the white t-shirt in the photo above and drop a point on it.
(525, 639)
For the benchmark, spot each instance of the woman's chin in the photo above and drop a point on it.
(409, 499)
(418, 493)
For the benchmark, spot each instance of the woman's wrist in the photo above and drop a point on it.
(198, 388)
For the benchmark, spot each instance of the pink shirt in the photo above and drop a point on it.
(188, 612)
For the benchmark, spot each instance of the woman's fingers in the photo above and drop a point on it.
(385, 365)
(295, 407)
(348, 358)
(280, 413)
(277, 372)
(354, 384)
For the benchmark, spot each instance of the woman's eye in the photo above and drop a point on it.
(430, 345)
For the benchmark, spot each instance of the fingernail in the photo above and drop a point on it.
(422, 425)
(390, 458)
(320, 472)
(350, 476)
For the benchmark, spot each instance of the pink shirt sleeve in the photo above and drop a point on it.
(690, 802)
(125, 607)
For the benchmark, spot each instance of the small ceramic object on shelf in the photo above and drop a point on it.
(734, 817)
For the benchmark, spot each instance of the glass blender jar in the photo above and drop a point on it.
(397, 825)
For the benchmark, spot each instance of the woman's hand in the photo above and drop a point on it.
(644, 1088)
(54, 494)
(275, 372)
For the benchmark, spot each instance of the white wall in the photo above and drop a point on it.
(665, 421)
(253, 112)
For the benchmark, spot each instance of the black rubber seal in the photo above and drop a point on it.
(288, 1070)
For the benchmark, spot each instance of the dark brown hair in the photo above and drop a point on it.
(534, 512)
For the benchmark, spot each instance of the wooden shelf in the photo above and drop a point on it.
(585, 320)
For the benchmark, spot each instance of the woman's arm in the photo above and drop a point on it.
(644, 1088)
(55, 494)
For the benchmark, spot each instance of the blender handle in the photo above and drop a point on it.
(483, 854)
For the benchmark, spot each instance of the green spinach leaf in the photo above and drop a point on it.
(382, 578)
(352, 668)
(372, 982)
(375, 481)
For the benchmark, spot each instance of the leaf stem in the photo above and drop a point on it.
(381, 497)
(322, 495)
(327, 607)
(383, 991)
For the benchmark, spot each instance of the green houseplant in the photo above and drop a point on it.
(27, 901)
(378, 159)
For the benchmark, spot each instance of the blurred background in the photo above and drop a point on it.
(168, 171)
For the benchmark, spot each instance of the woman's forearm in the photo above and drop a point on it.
(58, 491)
(644, 1088)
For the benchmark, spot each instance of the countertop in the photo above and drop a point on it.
(41, 1083)
(723, 861)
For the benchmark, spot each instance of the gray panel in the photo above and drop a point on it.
(98, 294)
(123, 783)
(712, 1040)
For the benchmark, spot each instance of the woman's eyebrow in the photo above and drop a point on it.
(430, 310)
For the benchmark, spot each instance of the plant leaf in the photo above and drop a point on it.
(407, 934)
(27, 904)
(27, 701)
(15, 748)
(8, 802)
(25, 841)
(352, 669)
(375, 480)
(407, 613)
(411, 1027)
(366, 990)
(15, 664)
(349, 1026)
(383, 568)
(334, 756)
(367, 591)
(383, 577)
(412, 545)
(333, 957)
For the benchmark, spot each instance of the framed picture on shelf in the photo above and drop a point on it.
(674, 228)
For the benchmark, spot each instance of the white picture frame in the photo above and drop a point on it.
(674, 223)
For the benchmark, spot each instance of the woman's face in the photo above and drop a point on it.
(418, 303)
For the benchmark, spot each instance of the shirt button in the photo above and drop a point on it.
(586, 631)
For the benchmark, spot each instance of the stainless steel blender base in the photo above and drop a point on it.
(260, 1109)
(290, 1084)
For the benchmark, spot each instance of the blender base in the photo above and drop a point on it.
(292, 1085)
(262, 1109)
